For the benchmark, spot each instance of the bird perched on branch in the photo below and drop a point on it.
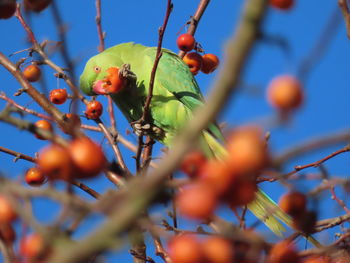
(124, 73)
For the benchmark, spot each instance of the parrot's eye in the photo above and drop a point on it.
(97, 69)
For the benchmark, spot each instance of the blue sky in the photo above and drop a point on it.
(326, 106)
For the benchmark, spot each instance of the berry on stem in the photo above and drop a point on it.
(186, 42)
(192, 163)
(58, 96)
(282, 4)
(185, 249)
(88, 157)
(55, 162)
(34, 177)
(210, 63)
(7, 213)
(43, 124)
(285, 93)
(36, 5)
(7, 8)
(194, 62)
(93, 110)
(191, 196)
(32, 73)
(293, 203)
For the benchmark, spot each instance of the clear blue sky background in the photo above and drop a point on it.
(326, 106)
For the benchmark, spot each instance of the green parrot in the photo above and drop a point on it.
(175, 96)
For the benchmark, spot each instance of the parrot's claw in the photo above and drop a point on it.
(147, 129)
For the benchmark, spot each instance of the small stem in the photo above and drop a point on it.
(195, 21)
(101, 46)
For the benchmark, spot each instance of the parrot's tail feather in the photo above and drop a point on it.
(263, 207)
(216, 149)
(268, 212)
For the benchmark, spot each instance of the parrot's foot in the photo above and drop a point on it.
(147, 129)
(126, 73)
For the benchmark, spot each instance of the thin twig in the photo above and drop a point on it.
(145, 115)
(343, 4)
(339, 201)
(314, 56)
(311, 145)
(98, 18)
(61, 31)
(25, 109)
(322, 160)
(18, 155)
(195, 21)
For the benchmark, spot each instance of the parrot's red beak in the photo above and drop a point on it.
(111, 84)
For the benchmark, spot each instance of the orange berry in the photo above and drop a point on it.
(283, 252)
(7, 8)
(285, 93)
(34, 177)
(87, 156)
(282, 4)
(192, 163)
(55, 162)
(191, 196)
(242, 193)
(7, 233)
(247, 149)
(7, 213)
(218, 175)
(93, 110)
(210, 63)
(36, 5)
(194, 62)
(293, 203)
(317, 259)
(32, 73)
(185, 249)
(113, 82)
(45, 125)
(186, 42)
(58, 96)
(32, 246)
(217, 250)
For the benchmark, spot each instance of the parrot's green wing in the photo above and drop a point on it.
(174, 76)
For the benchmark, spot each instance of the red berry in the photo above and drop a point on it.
(247, 150)
(93, 110)
(7, 8)
(217, 250)
(32, 246)
(210, 63)
(282, 4)
(88, 157)
(43, 124)
(185, 249)
(285, 93)
(191, 196)
(55, 162)
(34, 177)
(194, 62)
(32, 73)
(7, 233)
(58, 96)
(7, 213)
(36, 5)
(186, 42)
(113, 82)
(192, 163)
(293, 203)
(283, 252)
